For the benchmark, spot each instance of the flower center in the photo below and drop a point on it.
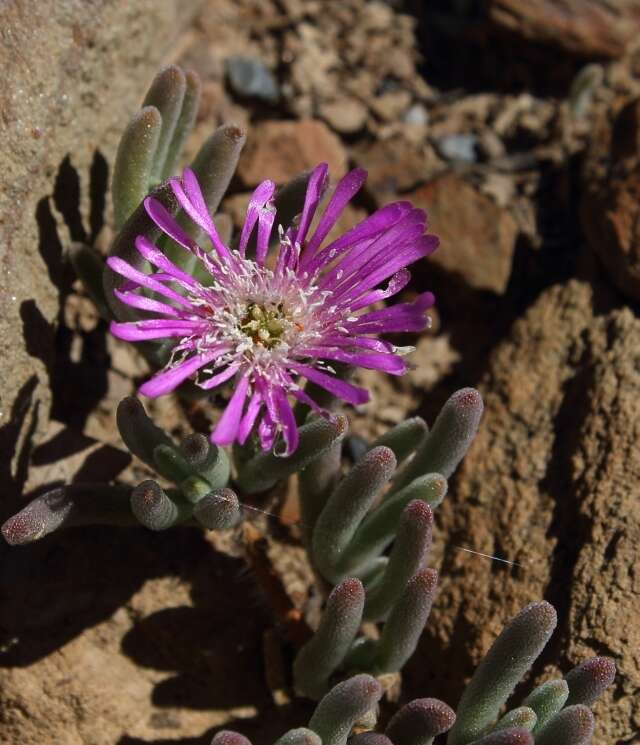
(265, 324)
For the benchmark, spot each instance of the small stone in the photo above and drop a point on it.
(417, 116)
(281, 150)
(477, 237)
(392, 105)
(460, 147)
(345, 115)
(394, 165)
(490, 145)
(250, 78)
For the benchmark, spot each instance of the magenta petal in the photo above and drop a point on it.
(201, 218)
(145, 280)
(227, 428)
(167, 223)
(368, 229)
(389, 363)
(384, 268)
(154, 256)
(141, 302)
(194, 193)
(266, 431)
(265, 226)
(154, 329)
(167, 381)
(260, 197)
(362, 342)
(218, 379)
(315, 189)
(347, 391)
(287, 421)
(250, 416)
(345, 190)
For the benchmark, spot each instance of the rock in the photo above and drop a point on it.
(280, 150)
(417, 116)
(250, 78)
(138, 647)
(461, 147)
(73, 74)
(391, 106)
(477, 237)
(610, 207)
(345, 115)
(552, 483)
(394, 165)
(585, 28)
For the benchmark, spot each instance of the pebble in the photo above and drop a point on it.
(460, 147)
(250, 78)
(344, 115)
(417, 115)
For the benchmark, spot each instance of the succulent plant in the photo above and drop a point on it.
(367, 529)
(349, 708)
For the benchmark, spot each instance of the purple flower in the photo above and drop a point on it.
(268, 320)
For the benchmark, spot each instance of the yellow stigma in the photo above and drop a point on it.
(265, 325)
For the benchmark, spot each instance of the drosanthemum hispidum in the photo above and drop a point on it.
(268, 319)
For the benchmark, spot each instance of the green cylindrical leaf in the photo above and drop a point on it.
(154, 509)
(170, 463)
(185, 122)
(166, 94)
(547, 700)
(572, 726)
(206, 460)
(523, 718)
(402, 631)
(346, 508)
(588, 681)
(316, 482)
(378, 529)
(404, 438)
(139, 223)
(140, 434)
(445, 445)
(343, 706)
(370, 738)
(134, 163)
(300, 736)
(420, 721)
(410, 549)
(321, 656)
(502, 668)
(68, 506)
(513, 736)
(316, 437)
(219, 510)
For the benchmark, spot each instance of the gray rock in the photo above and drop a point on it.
(457, 147)
(250, 78)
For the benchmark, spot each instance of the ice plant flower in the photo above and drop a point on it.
(266, 318)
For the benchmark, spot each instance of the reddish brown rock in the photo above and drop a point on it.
(394, 166)
(551, 483)
(477, 237)
(610, 209)
(280, 150)
(587, 28)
